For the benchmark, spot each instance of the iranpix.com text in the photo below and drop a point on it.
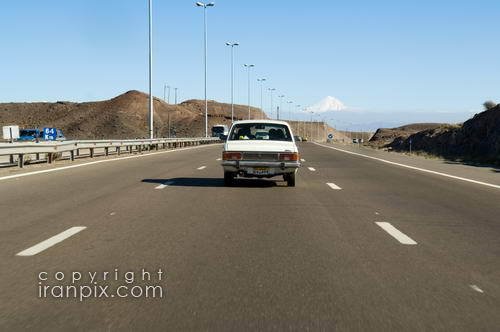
(101, 285)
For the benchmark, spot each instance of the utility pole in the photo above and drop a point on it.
(232, 78)
(151, 110)
(201, 4)
(281, 105)
(249, 66)
(271, 90)
(261, 80)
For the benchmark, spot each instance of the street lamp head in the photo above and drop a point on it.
(232, 44)
(248, 65)
(272, 89)
(210, 4)
(261, 80)
(200, 4)
(281, 96)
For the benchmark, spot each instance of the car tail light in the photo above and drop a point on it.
(231, 155)
(289, 156)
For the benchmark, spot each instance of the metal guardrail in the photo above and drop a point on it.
(51, 149)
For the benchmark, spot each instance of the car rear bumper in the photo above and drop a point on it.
(247, 167)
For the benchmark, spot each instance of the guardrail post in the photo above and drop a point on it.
(106, 151)
(91, 152)
(11, 158)
(50, 157)
(139, 148)
(118, 150)
(20, 160)
(156, 146)
(72, 155)
(37, 156)
(78, 152)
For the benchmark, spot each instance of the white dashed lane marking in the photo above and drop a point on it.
(302, 160)
(218, 159)
(201, 167)
(333, 186)
(477, 289)
(312, 169)
(51, 241)
(163, 185)
(395, 233)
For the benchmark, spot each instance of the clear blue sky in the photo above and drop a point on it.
(373, 55)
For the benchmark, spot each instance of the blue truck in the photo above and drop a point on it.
(35, 135)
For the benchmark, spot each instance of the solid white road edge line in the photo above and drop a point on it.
(333, 186)
(395, 233)
(477, 289)
(98, 162)
(413, 167)
(312, 169)
(51, 241)
(201, 167)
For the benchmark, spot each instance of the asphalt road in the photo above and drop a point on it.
(357, 245)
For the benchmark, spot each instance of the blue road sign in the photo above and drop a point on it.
(330, 136)
(49, 134)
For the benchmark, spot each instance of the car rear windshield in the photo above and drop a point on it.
(218, 130)
(260, 131)
(28, 132)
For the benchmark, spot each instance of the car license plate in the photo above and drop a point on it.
(262, 171)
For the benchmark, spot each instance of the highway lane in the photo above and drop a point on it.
(258, 255)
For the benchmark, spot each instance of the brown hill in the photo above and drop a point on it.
(125, 116)
(385, 136)
(477, 140)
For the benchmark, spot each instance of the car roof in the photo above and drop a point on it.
(262, 121)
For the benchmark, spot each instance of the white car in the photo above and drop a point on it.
(260, 148)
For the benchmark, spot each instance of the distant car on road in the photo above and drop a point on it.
(261, 149)
(220, 131)
(297, 138)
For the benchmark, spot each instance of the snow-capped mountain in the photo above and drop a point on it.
(327, 104)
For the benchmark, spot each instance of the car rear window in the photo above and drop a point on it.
(260, 131)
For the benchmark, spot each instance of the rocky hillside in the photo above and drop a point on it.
(125, 116)
(476, 140)
(386, 136)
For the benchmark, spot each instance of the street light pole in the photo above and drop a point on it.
(151, 110)
(168, 99)
(281, 105)
(232, 77)
(289, 110)
(175, 99)
(249, 66)
(261, 80)
(298, 121)
(272, 90)
(205, 5)
(311, 126)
